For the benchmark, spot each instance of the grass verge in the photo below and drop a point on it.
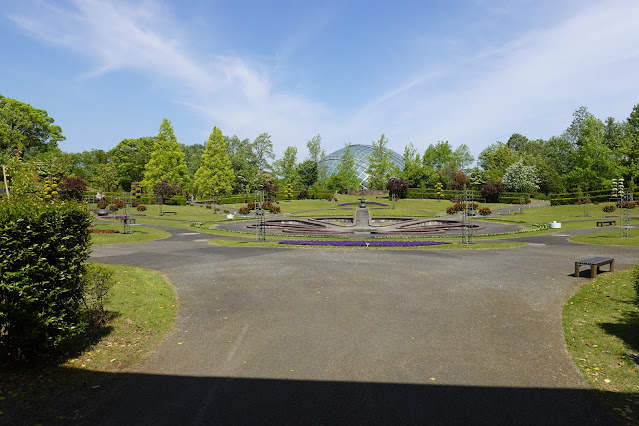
(601, 327)
(141, 311)
(610, 237)
(138, 235)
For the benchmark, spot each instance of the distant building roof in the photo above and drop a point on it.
(360, 155)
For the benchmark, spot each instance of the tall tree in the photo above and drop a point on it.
(193, 157)
(346, 176)
(26, 129)
(285, 166)
(307, 171)
(438, 155)
(462, 157)
(215, 175)
(129, 158)
(495, 159)
(263, 150)
(315, 151)
(244, 163)
(379, 164)
(86, 163)
(167, 161)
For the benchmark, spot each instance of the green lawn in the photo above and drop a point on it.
(610, 237)
(141, 312)
(601, 327)
(139, 234)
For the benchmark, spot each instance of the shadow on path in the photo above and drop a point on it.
(152, 399)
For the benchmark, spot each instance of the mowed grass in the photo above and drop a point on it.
(610, 237)
(139, 234)
(601, 327)
(141, 311)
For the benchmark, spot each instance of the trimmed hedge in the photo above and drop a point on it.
(43, 247)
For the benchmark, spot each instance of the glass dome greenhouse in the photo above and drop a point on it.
(360, 155)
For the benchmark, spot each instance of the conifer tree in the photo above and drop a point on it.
(167, 161)
(215, 176)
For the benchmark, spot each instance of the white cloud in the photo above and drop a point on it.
(530, 84)
(522, 86)
(230, 92)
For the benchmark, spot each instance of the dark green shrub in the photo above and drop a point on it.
(43, 247)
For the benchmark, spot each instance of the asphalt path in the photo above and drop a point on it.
(335, 336)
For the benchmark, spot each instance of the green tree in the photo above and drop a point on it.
(262, 148)
(495, 159)
(438, 155)
(462, 157)
(193, 157)
(54, 163)
(86, 163)
(379, 164)
(105, 178)
(308, 173)
(315, 151)
(244, 163)
(346, 176)
(26, 129)
(215, 175)
(130, 157)
(167, 161)
(285, 166)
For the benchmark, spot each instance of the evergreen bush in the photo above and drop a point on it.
(43, 247)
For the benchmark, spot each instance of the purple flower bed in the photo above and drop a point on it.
(374, 203)
(353, 243)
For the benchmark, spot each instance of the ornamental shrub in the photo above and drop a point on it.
(43, 247)
(141, 208)
(244, 210)
(72, 188)
(492, 191)
(485, 211)
(609, 208)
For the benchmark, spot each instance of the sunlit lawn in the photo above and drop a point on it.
(139, 234)
(610, 237)
(600, 326)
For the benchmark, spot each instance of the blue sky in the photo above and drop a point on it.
(465, 71)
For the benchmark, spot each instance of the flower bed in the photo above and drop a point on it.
(373, 203)
(103, 231)
(354, 243)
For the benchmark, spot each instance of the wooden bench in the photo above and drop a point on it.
(595, 263)
(606, 222)
(165, 213)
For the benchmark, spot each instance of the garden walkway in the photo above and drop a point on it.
(292, 336)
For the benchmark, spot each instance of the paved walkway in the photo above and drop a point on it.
(325, 336)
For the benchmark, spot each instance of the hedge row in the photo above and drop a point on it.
(574, 199)
(43, 247)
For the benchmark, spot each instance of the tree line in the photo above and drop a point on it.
(585, 157)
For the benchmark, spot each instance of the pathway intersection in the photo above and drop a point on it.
(278, 335)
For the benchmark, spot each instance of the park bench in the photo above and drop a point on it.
(594, 263)
(165, 213)
(127, 220)
(606, 222)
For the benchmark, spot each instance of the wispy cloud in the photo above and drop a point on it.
(528, 85)
(231, 92)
